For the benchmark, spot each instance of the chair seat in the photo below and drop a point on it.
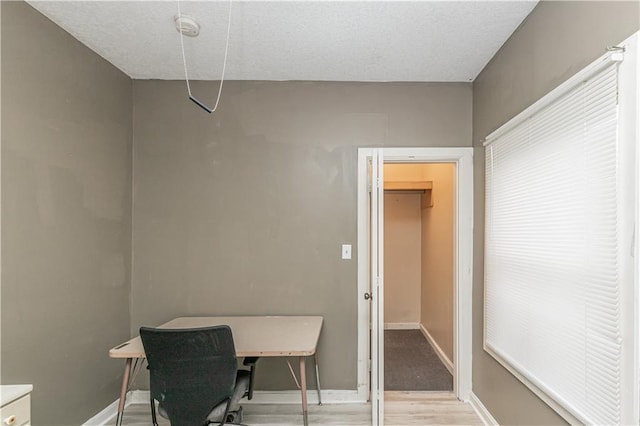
(243, 378)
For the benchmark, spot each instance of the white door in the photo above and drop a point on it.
(370, 262)
(376, 285)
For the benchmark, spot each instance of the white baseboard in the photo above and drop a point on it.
(401, 326)
(481, 410)
(443, 357)
(329, 396)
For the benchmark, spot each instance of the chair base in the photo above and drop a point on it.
(234, 417)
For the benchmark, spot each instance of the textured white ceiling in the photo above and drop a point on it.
(436, 41)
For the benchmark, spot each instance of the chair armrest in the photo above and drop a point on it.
(250, 360)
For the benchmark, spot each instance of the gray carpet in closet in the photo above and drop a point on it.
(410, 363)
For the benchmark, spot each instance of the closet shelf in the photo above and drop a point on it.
(408, 185)
(424, 187)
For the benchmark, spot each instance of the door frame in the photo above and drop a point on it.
(463, 254)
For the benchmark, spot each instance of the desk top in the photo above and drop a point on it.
(263, 336)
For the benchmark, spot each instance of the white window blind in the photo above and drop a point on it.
(552, 250)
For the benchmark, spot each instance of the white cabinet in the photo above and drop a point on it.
(16, 405)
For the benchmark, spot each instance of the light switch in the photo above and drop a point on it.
(346, 251)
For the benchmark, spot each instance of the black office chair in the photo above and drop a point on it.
(194, 375)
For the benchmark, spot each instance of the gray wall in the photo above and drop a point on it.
(556, 40)
(244, 211)
(66, 218)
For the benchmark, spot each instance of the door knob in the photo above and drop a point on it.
(368, 296)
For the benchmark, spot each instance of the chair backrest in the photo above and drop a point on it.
(191, 370)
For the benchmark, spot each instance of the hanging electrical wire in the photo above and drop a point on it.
(184, 62)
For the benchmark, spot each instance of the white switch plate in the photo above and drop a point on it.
(346, 251)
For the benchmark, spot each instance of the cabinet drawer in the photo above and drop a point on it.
(16, 413)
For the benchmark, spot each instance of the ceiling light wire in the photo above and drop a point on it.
(224, 64)
(184, 58)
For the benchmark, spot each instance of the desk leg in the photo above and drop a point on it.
(317, 378)
(123, 391)
(303, 388)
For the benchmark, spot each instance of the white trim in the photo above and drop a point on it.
(363, 274)
(463, 157)
(482, 411)
(401, 326)
(629, 130)
(443, 357)
(556, 406)
(329, 396)
(556, 93)
(108, 413)
(376, 285)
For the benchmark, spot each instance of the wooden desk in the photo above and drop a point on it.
(271, 336)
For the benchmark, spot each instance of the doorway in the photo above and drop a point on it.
(418, 276)
(370, 269)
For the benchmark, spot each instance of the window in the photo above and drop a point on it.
(559, 266)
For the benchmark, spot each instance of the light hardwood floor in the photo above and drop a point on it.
(427, 408)
(401, 409)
